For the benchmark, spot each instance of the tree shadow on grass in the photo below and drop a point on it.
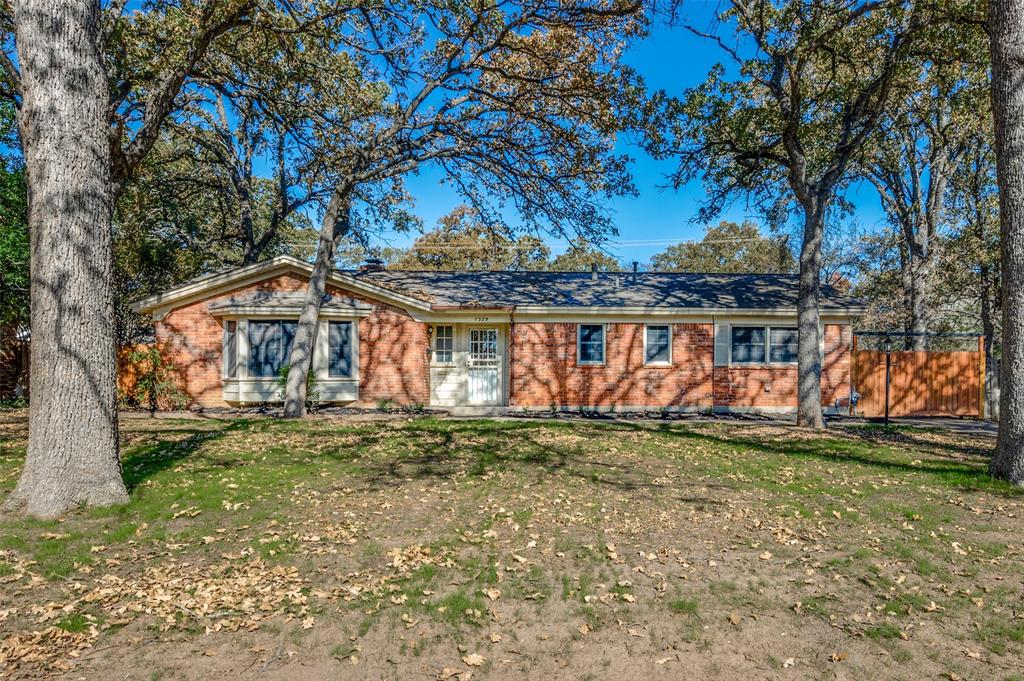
(958, 474)
(142, 461)
(475, 449)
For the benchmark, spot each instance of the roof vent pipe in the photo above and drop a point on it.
(593, 271)
(635, 266)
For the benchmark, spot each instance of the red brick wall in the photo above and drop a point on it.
(835, 372)
(392, 348)
(545, 372)
(769, 387)
(544, 369)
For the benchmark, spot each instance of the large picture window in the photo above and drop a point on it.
(748, 345)
(590, 344)
(444, 344)
(782, 345)
(764, 345)
(339, 349)
(658, 344)
(270, 344)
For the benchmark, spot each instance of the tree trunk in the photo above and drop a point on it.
(335, 225)
(809, 412)
(1006, 30)
(73, 439)
(921, 259)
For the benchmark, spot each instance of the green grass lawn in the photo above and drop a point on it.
(405, 547)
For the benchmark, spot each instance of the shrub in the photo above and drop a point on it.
(312, 389)
(155, 385)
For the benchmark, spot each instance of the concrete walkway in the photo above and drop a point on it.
(948, 423)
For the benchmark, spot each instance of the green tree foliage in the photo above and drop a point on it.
(728, 247)
(462, 242)
(516, 105)
(939, 101)
(178, 219)
(582, 256)
(14, 246)
(810, 82)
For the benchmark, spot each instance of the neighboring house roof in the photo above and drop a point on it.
(537, 291)
(610, 289)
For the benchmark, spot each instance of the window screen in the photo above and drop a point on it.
(270, 344)
(657, 345)
(230, 348)
(591, 344)
(748, 345)
(339, 349)
(782, 345)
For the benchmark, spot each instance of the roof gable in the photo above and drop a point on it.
(210, 285)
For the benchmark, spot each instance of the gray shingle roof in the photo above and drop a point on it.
(577, 289)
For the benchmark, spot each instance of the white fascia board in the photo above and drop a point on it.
(285, 311)
(676, 311)
(463, 317)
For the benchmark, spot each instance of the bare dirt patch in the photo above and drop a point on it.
(459, 549)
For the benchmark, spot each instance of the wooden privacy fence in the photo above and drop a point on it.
(921, 383)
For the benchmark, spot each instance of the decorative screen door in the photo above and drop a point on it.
(484, 366)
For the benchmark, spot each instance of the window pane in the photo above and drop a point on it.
(591, 343)
(748, 344)
(270, 344)
(339, 349)
(444, 344)
(782, 346)
(657, 346)
(230, 348)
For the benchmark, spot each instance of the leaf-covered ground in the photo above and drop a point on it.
(424, 548)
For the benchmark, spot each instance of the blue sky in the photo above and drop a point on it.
(671, 59)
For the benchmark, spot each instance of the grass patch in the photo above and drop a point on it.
(882, 632)
(683, 606)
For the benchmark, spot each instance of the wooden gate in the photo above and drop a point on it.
(921, 383)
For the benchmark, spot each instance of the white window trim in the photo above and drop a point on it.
(659, 364)
(767, 345)
(434, 362)
(579, 345)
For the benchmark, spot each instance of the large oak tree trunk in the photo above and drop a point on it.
(1006, 29)
(73, 439)
(809, 412)
(335, 225)
(921, 267)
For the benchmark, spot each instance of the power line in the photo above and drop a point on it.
(610, 244)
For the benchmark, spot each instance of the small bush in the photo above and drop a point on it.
(312, 389)
(155, 386)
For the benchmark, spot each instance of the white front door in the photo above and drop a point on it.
(484, 366)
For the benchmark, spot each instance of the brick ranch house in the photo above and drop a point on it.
(521, 340)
